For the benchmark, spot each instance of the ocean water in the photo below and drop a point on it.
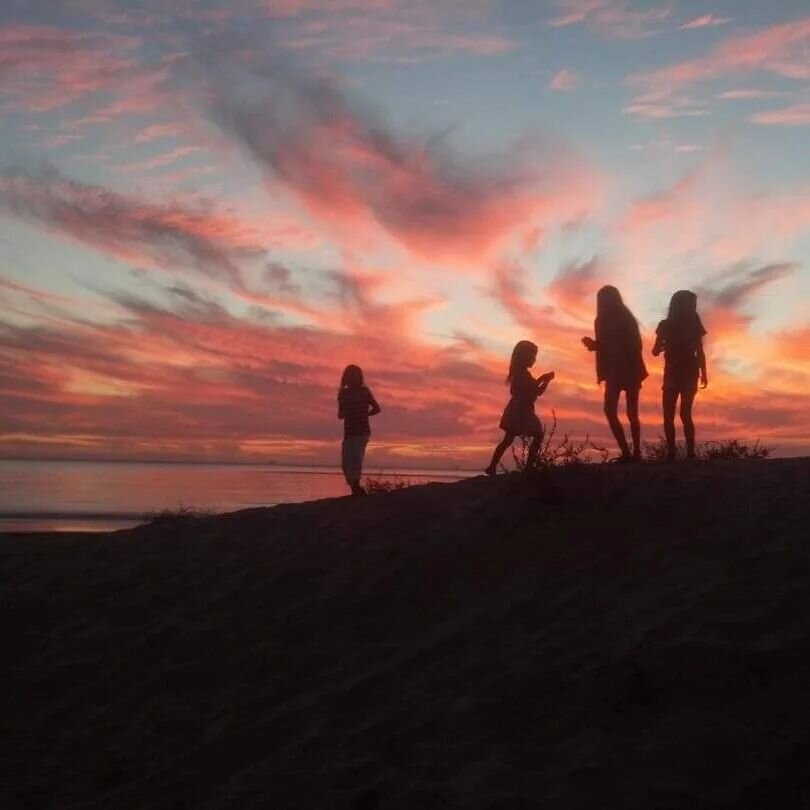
(103, 496)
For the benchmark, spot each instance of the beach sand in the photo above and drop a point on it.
(598, 637)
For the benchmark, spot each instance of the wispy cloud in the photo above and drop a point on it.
(44, 68)
(797, 115)
(780, 50)
(706, 21)
(126, 227)
(347, 166)
(611, 18)
(563, 80)
(748, 93)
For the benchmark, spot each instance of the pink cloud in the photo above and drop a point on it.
(780, 49)
(611, 18)
(159, 161)
(564, 80)
(745, 94)
(130, 228)
(706, 21)
(797, 115)
(46, 68)
(350, 170)
(356, 30)
(158, 131)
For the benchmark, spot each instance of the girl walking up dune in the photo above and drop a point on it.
(356, 404)
(619, 364)
(519, 418)
(680, 337)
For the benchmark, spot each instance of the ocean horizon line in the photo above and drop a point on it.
(286, 466)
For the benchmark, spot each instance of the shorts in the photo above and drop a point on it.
(682, 384)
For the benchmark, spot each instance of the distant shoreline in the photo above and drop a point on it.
(372, 469)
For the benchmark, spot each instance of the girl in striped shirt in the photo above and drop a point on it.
(356, 404)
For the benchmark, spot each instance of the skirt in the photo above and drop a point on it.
(520, 419)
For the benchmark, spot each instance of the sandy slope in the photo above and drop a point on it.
(629, 637)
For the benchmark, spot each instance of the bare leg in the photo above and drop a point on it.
(534, 449)
(500, 449)
(611, 412)
(687, 399)
(668, 402)
(631, 399)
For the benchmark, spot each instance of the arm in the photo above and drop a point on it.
(542, 382)
(704, 378)
(659, 345)
(374, 406)
(590, 344)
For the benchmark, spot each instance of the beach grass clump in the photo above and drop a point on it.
(377, 486)
(559, 451)
(710, 450)
(165, 516)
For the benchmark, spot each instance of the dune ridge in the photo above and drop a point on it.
(601, 636)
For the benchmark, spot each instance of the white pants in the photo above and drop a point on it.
(353, 451)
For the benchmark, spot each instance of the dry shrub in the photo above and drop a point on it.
(720, 449)
(559, 451)
(376, 486)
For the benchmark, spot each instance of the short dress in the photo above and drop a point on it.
(618, 355)
(518, 416)
(682, 343)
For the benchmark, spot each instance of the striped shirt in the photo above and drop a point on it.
(353, 409)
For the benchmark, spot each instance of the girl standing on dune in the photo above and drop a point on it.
(519, 418)
(619, 364)
(356, 404)
(680, 337)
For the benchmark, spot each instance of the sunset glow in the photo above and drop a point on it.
(205, 214)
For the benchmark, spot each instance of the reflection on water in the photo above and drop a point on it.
(102, 496)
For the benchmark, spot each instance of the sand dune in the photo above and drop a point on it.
(629, 637)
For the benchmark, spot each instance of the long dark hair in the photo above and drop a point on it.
(612, 311)
(682, 314)
(352, 377)
(682, 305)
(523, 352)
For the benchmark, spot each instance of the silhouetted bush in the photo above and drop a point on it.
(181, 513)
(559, 452)
(724, 449)
(375, 486)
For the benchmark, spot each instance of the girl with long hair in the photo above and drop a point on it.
(356, 404)
(519, 418)
(680, 337)
(619, 365)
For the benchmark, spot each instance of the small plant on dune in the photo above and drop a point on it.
(657, 450)
(559, 451)
(722, 449)
(734, 448)
(376, 486)
(181, 513)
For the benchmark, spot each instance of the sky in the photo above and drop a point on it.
(207, 212)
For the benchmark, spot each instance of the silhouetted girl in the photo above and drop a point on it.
(620, 364)
(680, 338)
(355, 404)
(519, 418)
